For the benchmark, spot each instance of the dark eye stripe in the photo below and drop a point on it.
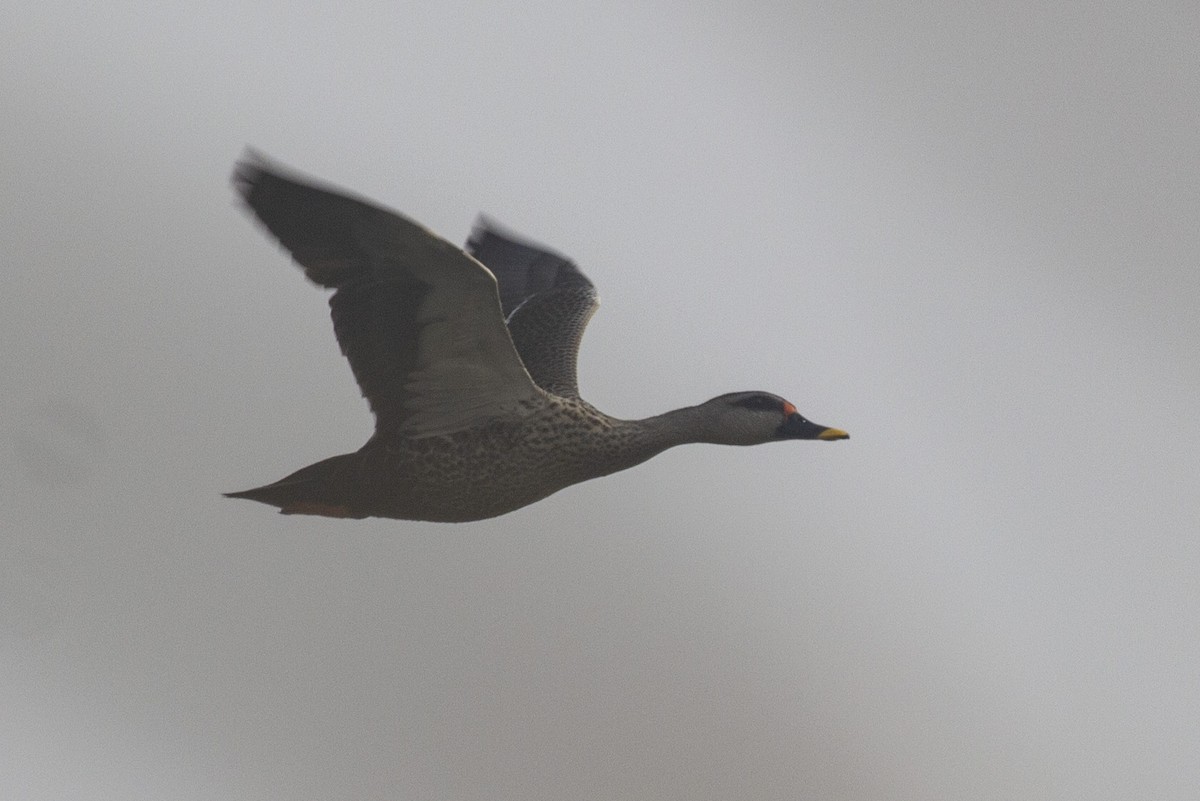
(760, 403)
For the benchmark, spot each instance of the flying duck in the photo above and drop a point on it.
(467, 359)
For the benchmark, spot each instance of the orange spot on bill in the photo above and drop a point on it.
(788, 409)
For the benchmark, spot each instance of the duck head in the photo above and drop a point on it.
(752, 418)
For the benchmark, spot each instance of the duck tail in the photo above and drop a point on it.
(311, 490)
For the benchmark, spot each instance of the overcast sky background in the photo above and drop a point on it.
(967, 234)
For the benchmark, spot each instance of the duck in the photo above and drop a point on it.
(467, 359)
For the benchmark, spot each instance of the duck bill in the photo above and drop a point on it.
(795, 426)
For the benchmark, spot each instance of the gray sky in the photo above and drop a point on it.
(967, 235)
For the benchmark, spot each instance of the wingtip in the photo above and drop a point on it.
(487, 227)
(248, 171)
(483, 227)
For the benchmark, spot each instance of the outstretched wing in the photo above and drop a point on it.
(546, 299)
(418, 319)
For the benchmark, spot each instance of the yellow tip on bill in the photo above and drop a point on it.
(833, 433)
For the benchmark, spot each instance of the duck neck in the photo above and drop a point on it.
(676, 427)
(631, 442)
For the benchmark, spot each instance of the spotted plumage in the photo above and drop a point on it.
(468, 361)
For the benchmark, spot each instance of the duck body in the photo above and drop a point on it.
(481, 472)
(470, 371)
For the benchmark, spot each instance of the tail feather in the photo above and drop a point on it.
(311, 490)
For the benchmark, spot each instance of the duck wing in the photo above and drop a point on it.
(546, 299)
(418, 319)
